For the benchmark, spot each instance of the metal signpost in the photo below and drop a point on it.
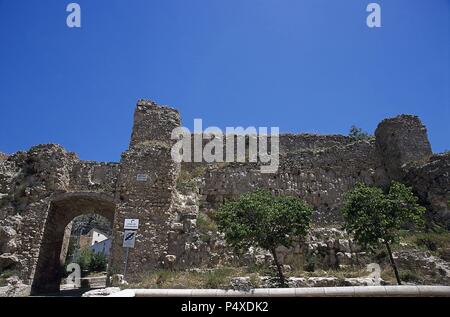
(129, 239)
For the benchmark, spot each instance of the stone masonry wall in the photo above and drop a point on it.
(320, 173)
(43, 188)
(431, 182)
(28, 179)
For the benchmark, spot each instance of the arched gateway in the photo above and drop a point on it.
(62, 210)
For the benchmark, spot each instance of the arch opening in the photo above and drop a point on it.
(62, 210)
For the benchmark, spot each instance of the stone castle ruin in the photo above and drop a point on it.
(43, 189)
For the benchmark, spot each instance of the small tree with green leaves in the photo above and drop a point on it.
(90, 261)
(375, 218)
(260, 219)
(98, 262)
(358, 133)
(84, 260)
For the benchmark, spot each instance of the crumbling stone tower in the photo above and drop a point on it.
(145, 188)
(402, 140)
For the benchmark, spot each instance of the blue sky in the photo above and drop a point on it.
(303, 65)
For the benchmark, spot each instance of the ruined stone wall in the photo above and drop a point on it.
(288, 144)
(317, 168)
(322, 168)
(42, 189)
(293, 143)
(94, 176)
(431, 182)
(320, 172)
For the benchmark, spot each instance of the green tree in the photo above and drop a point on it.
(98, 262)
(375, 218)
(90, 261)
(358, 133)
(84, 260)
(260, 219)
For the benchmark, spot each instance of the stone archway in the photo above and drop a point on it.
(62, 210)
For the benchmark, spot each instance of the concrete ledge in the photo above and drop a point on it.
(436, 291)
(310, 292)
(349, 291)
(124, 293)
(403, 291)
(372, 291)
(339, 292)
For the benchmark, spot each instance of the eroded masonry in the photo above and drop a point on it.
(43, 189)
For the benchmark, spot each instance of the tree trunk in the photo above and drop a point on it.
(279, 268)
(350, 244)
(391, 258)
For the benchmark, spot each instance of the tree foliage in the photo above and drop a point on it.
(260, 219)
(358, 133)
(92, 261)
(375, 218)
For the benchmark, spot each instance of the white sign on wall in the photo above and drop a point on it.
(141, 177)
(131, 224)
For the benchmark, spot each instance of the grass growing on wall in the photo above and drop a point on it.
(205, 223)
(187, 178)
(4, 275)
(438, 243)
